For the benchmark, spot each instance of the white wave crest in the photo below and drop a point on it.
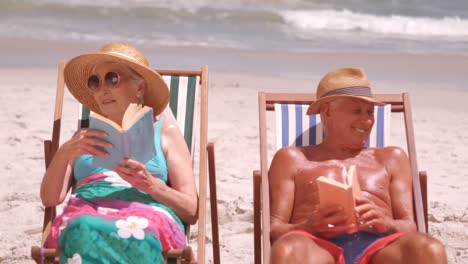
(346, 20)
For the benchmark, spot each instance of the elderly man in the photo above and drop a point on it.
(302, 231)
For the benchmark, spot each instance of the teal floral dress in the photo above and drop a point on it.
(108, 221)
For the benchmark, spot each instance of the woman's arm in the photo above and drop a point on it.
(55, 182)
(181, 196)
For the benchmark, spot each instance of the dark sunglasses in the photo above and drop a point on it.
(111, 81)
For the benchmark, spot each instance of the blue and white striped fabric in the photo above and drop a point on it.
(295, 128)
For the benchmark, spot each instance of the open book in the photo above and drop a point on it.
(332, 192)
(133, 140)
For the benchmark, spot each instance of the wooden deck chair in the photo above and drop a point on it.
(188, 102)
(294, 127)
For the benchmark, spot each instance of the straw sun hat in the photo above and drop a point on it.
(342, 83)
(78, 70)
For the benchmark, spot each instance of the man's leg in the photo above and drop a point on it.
(412, 248)
(297, 248)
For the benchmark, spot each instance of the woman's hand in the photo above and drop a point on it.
(371, 216)
(85, 141)
(136, 174)
(328, 222)
(54, 186)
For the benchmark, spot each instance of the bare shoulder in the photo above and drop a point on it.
(288, 154)
(169, 127)
(171, 137)
(391, 154)
(394, 159)
(286, 163)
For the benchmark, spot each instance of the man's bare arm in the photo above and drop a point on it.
(401, 216)
(282, 190)
(401, 191)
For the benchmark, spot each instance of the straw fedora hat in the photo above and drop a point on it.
(343, 82)
(78, 70)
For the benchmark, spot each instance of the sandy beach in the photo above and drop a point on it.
(436, 83)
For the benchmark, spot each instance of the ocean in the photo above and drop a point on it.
(401, 26)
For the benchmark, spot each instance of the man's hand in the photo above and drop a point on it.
(327, 222)
(371, 216)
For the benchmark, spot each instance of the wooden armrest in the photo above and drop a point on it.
(423, 183)
(213, 202)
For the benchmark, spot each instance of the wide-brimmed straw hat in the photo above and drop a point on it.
(343, 82)
(79, 69)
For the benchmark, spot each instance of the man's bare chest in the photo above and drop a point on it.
(372, 176)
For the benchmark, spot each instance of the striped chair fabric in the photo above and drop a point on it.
(295, 128)
(184, 98)
(184, 95)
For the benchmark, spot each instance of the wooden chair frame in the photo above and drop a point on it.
(400, 104)
(206, 162)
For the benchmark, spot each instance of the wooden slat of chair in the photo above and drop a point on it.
(306, 98)
(399, 102)
(51, 146)
(203, 165)
(410, 140)
(265, 194)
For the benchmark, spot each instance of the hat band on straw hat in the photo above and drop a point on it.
(354, 91)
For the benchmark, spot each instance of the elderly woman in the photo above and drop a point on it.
(129, 213)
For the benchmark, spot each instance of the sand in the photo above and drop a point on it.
(435, 82)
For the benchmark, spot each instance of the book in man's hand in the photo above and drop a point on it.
(133, 140)
(332, 192)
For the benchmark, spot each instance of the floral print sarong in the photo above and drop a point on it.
(108, 221)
